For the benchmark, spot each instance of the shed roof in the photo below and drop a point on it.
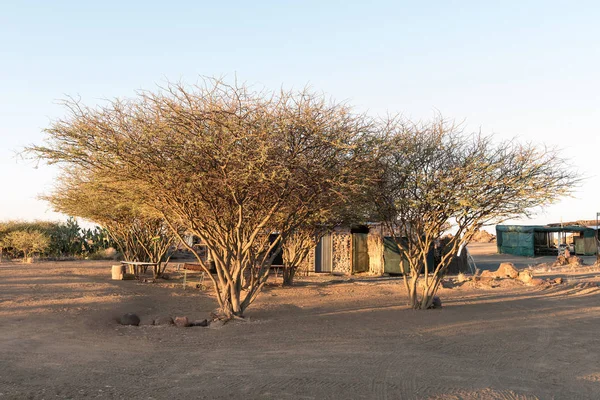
(542, 228)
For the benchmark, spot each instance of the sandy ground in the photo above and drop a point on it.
(327, 338)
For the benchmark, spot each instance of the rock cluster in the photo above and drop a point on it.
(182, 322)
(163, 321)
(508, 271)
(562, 261)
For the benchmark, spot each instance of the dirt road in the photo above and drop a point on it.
(325, 339)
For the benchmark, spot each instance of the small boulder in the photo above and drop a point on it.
(525, 276)
(536, 282)
(163, 321)
(561, 261)
(558, 280)
(437, 303)
(129, 319)
(574, 260)
(485, 279)
(507, 270)
(447, 284)
(182, 322)
(203, 322)
(487, 274)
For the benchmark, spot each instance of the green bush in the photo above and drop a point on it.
(27, 242)
(66, 239)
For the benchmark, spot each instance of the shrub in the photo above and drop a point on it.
(27, 242)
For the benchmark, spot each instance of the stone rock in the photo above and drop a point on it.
(202, 322)
(558, 280)
(216, 324)
(536, 282)
(574, 260)
(488, 281)
(129, 319)
(182, 322)
(507, 270)
(163, 321)
(561, 261)
(487, 274)
(525, 276)
(447, 284)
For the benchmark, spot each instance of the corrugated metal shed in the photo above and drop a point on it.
(528, 240)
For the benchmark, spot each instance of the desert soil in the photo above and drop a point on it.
(327, 338)
(486, 257)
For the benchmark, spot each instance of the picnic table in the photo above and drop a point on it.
(135, 267)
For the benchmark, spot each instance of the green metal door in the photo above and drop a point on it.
(391, 255)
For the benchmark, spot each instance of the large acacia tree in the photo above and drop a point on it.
(228, 164)
(435, 176)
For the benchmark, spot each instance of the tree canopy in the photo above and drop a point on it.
(228, 164)
(433, 175)
(234, 166)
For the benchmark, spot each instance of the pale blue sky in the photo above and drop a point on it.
(525, 69)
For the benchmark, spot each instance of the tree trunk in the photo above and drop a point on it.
(234, 301)
(288, 275)
(411, 287)
(159, 269)
(430, 290)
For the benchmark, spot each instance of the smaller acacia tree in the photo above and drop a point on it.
(434, 175)
(295, 249)
(139, 234)
(27, 242)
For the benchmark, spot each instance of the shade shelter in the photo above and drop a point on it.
(539, 240)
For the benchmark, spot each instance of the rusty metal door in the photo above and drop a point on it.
(360, 252)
